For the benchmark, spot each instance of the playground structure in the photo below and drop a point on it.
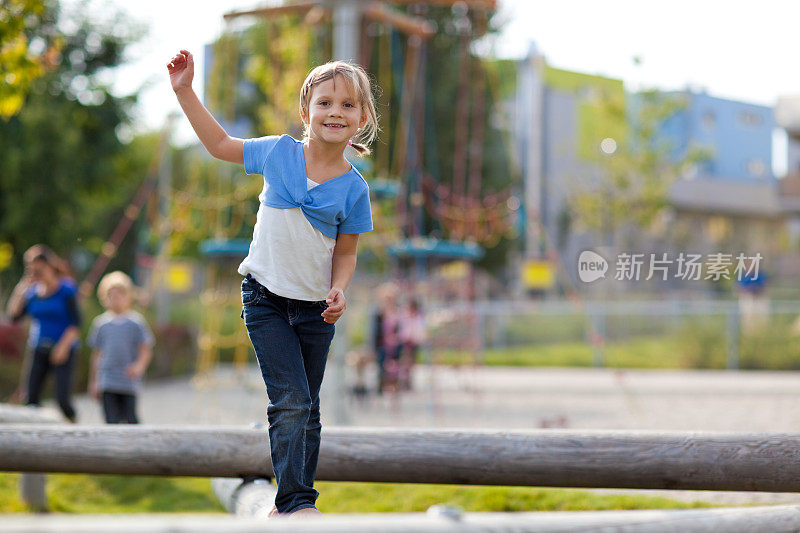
(414, 209)
(371, 33)
(422, 222)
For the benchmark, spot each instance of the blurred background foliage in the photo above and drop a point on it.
(68, 160)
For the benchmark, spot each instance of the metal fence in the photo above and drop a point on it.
(713, 332)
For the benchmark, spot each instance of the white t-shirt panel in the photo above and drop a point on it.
(288, 255)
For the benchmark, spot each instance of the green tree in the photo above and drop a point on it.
(25, 53)
(62, 179)
(637, 169)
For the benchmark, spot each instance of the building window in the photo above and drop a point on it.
(750, 119)
(756, 167)
(709, 120)
(718, 229)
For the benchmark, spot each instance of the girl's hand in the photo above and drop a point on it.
(59, 354)
(337, 303)
(93, 390)
(181, 70)
(134, 371)
(24, 284)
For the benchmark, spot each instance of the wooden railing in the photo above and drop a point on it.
(561, 458)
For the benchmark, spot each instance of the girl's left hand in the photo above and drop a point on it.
(59, 354)
(134, 371)
(181, 70)
(337, 303)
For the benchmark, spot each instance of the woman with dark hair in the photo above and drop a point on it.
(47, 293)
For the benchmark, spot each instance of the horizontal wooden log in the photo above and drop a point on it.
(379, 12)
(489, 5)
(772, 519)
(561, 458)
(273, 11)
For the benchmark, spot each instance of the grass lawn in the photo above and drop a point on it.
(342, 497)
(81, 493)
(78, 493)
(639, 352)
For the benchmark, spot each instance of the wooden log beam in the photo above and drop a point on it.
(379, 12)
(561, 458)
(303, 6)
(274, 11)
(767, 519)
(486, 5)
(315, 12)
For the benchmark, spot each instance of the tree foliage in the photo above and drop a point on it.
(26, 52)
(637, 170)
(65, 174)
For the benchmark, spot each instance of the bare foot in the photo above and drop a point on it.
(273, 512)
(305, 512)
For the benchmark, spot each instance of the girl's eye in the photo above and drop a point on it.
(348, 104)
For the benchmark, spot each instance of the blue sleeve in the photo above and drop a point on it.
(255, 153)
(359, 217)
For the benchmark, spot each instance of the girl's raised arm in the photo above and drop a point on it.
(216, 140)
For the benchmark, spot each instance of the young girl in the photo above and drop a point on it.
(313, 206)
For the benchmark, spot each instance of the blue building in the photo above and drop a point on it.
(738, 134)
(730, 200)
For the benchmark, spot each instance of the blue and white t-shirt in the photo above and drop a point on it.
(119, 338)
(298, 219)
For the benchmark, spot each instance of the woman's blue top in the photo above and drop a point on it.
(52, 314)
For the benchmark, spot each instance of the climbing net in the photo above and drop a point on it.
(214, 202)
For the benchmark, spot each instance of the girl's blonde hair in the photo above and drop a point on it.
(114, 280)
(357, 83)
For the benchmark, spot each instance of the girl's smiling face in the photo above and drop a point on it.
(334, 113)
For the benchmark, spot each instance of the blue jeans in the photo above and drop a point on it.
(291, 342)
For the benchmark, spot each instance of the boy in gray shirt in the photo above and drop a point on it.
(122, 348)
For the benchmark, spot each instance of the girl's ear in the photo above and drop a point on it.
(363, 121)
(303, 116)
